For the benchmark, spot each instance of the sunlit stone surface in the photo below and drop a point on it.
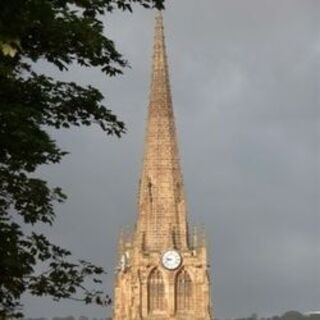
(163, 270)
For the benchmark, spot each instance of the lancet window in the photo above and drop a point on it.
(184, 292)
(156, 294)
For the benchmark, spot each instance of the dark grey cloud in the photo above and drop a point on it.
(245, 82)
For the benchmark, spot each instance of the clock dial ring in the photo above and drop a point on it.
(171, 259)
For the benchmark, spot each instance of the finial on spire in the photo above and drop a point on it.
(158, 14)
(159, 19)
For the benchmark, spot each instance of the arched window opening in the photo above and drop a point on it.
(184, 294)
(156, 294)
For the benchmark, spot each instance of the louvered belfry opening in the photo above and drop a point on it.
(184, 292)
(156, 292)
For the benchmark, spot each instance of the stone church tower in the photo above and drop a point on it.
(163, 272)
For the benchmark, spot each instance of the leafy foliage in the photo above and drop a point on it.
(60, 32)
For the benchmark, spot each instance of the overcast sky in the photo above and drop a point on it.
(245, 83)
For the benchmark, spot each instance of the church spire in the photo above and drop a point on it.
(160, 275)
(162, 213)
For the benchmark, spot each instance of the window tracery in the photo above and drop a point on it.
(156, 291)
(184, 291)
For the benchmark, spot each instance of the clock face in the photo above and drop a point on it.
(171, 259)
